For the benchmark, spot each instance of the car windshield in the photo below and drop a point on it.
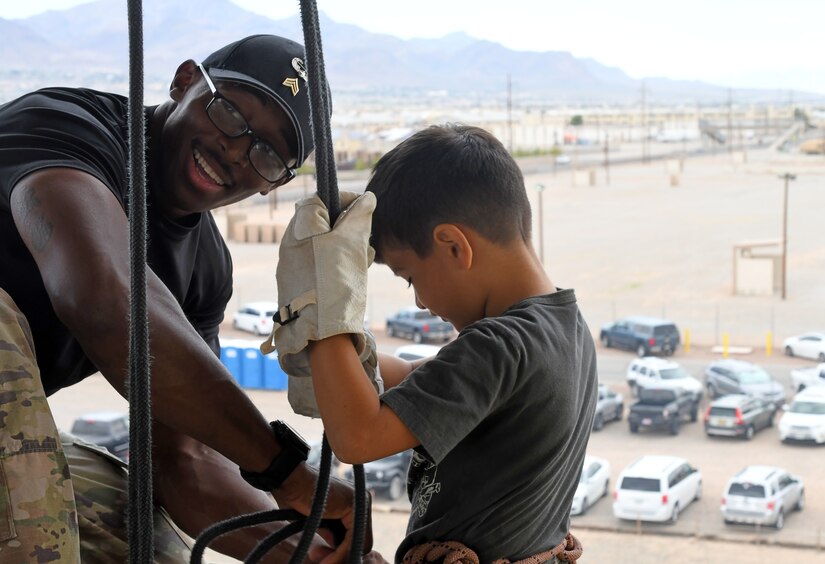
(90, 428)
(746, 490)
(673, 373)
(663, 330)
(423, 315)
(756, 376)
(723, 411)
(809, 407)
(640, 484)
(657, 397)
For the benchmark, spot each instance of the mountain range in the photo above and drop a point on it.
(92, 39)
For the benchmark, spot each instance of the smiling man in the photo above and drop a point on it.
(235, 125)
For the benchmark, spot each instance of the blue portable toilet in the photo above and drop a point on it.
(231, 358)
(274, 375)
(253, 367)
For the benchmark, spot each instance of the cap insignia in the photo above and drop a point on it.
(300, 68)
(292, 84)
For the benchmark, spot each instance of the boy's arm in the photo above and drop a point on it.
(359, 427)
(394, 369)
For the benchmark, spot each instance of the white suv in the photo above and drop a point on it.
(655, 372)
(804, 418)
(656, 488)
(762, 495)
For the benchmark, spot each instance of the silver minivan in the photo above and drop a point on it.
(656, 488)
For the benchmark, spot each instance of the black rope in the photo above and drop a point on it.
(320, 110)
(327, 183)
(319, 502)
(359, 529)
(227, 526)
(140, 518)
(327, 186)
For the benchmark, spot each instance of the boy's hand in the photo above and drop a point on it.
(322, 286)
(322, 273)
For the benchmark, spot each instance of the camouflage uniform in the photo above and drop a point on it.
(47, 513)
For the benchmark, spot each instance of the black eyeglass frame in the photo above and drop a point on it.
(284, 177)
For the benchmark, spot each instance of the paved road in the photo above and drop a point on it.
(635, 246)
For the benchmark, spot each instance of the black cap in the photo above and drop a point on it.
(274, 65)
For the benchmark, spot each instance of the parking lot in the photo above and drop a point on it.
(635, 246)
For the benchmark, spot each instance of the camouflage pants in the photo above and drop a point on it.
(61, 500)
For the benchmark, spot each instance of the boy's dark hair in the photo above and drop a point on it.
(448, 173)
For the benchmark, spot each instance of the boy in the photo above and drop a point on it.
(500, 418)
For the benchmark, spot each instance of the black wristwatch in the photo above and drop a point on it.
(294, 450)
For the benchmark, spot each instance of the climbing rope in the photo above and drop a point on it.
(140, 521)
(327, 187)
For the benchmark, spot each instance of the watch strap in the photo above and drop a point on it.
(294, 451)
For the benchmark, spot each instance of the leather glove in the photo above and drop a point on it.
(322, 285)
(322, 274)
(300, 392)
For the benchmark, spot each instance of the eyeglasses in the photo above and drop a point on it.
(264, 158)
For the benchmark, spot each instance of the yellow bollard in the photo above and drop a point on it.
(725, 339)
(687, 340)
(768, 344)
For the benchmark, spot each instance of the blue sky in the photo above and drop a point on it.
(735, 43)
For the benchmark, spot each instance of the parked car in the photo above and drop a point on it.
(655, 372)
(255, 317)
(645, 335)
(804, 418)
(806, 377)
(662, 408)
(737, 415)
(808, 345)
(420, 325)
(656, 488)
(732, 376)
(106, 429)
(388, 475)
(610, 407)
(415, 352)
(762, 495)
(594, 484)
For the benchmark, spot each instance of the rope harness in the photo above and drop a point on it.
(453, 552)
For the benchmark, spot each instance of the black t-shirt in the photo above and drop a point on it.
(503, 414)
(87, 130)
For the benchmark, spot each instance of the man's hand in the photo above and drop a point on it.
(297, 492)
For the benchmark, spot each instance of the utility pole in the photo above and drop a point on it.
(607, 158)
(730, 120)
(787, 177)
(540, 189)
(644, 126)
(509, 114)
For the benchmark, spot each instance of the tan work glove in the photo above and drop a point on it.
(322, 287)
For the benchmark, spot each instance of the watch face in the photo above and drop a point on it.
(287, 436)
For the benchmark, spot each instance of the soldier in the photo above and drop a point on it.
(234, 125)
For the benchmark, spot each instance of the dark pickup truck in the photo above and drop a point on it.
(419, 325)
(661, 408)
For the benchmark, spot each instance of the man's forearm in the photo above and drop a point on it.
(192, 392)
(198, 487)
